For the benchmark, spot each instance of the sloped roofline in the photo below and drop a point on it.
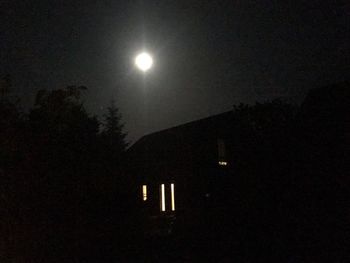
(186, 124)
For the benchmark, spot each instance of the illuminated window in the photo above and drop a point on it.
(172, 188)
(222, 163)
(222, 152)
(144, 192)
(162, 197)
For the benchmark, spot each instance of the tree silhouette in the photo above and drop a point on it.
(60, 146)
(113, 129)
(112, 141)
(11, 141)
(63, 132)
(61, 183)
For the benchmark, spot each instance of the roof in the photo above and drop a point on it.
(187, 130)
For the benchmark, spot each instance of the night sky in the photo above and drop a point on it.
(208, 55)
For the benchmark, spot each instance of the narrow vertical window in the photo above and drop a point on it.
(172, 188)
(144, 192)
(222, 152)
(162, 197)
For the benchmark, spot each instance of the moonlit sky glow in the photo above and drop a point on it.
(209, 55)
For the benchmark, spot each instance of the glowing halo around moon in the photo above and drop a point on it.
(143, 61)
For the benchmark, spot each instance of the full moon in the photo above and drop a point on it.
(144, 61)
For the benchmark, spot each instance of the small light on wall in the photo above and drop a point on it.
(222, 163)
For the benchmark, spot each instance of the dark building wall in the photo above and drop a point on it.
(187, 156)
(285, 185)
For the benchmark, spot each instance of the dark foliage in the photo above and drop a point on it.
(57, 203)
(112, 138)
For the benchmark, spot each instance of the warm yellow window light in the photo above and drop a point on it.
(162, 197)
(172, 188)
(144, 192)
